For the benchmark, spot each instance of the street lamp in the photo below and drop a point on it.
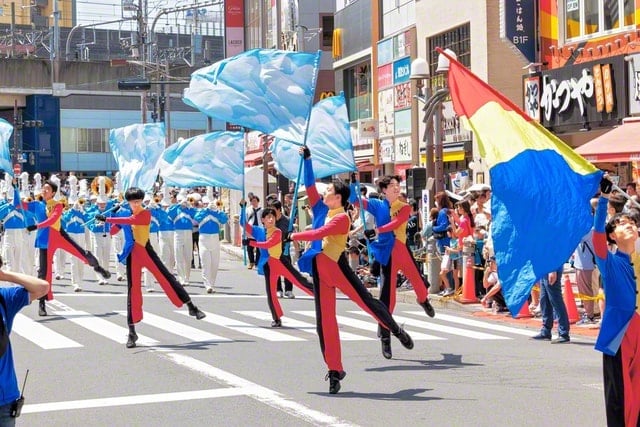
(432, 109)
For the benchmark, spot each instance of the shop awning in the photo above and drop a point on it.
(621, 144)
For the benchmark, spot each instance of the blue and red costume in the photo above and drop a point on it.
(619, 337)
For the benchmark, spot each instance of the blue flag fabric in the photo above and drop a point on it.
(213, 159)
(267, 90)
(6, 129)
(329, 140)
(137, 149)
(541, 189)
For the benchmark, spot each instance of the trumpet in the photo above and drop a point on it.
(219, 204)
(40, 197)
(157, 198)
(82, 201)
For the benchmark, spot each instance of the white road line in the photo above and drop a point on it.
(245, 328)
(40, 335)
(476, 323)
(262, 394)
(303, 326)
(370, 326)
(133, 400)
(103, 327)
(444, 328)
(178, 328)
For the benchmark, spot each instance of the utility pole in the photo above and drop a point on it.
(142, 41)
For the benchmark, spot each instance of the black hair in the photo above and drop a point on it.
(341, 189)
(254, 197)
(615, 219)
(134, 193)
(277, 205)
(617, 202)
(53, 185)
(268, 211)
(386, 180)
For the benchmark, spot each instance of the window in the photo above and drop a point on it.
(327, 32)
(358, 91)
(592, 17)
(458, 40)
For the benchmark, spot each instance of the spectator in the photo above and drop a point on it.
(450, 263)
(12, 300)
(552, 306)
(584, 263)
(493, 286)
(253, 218)
(440, 227)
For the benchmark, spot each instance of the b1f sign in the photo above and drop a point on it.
(518, 26)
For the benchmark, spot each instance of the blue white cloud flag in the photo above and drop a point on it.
(137, 149)
(213, 159)
(267, 90)
(329, 140)
(6, 129)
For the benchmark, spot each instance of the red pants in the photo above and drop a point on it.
(401, 259)
(327, 276)
(145, 257)
(622, 379)
(273, 269)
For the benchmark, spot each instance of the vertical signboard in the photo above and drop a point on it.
(518, 26)
(234, 27)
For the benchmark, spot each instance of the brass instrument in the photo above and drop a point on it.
(219, 204)
(102, 186)
(157, 198)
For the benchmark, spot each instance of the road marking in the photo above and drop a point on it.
(40, 335)
(369, 326)
(245, 328)
(178, 328)
(133, 400)
(262, 394)
(438, 327)
(475, 323)
(103, 327)
(303, 326)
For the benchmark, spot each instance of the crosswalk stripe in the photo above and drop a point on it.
(102, 327)
(303, 326)
(40, 335)
(438, 327)
(245, 328)
(369, 326)
(476, 323)
(178, 328)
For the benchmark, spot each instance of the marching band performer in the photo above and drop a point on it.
(73, 220)
(166, 229)
(60, 257)
(141, 255)
(100, 237)
(51, 238)
(209, 219)
(182, 216)
(154, 228)
(11, 215)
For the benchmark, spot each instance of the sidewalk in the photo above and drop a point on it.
(475, 310)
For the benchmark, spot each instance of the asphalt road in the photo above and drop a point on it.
(233, 369)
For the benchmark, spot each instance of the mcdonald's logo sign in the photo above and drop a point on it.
(327, 94)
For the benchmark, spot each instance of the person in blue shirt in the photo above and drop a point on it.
(182, 216)
(12, 217)
(12, 299)
(209, 219)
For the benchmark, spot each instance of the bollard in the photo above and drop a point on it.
(237, 234)
(469, 277)
(570, 300)
(433, 266)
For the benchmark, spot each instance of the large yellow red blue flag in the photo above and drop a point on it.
(541, 188)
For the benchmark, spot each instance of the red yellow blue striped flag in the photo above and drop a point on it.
(541, 188)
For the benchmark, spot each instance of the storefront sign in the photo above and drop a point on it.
(518, 26)
(403, 149)
(633, 88)
(574, 96)
(401, 70)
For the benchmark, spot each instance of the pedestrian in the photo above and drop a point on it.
(52, 237)
(141, 255)
(552, 307)
(268, 238)
(209, 219)
(253, 218)
(391, 216)
(282, 222)
(584, 262)
(619, 337)
(12, 300)
(331, 270)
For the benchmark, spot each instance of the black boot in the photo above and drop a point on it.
(386, 347)
(334, 378)
(195, 311)
(131, 339)
(101, 271)
(42, 308)
(276, 323)
(404, 338)
(428, 308)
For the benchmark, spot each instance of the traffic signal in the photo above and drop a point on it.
(134, 85)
